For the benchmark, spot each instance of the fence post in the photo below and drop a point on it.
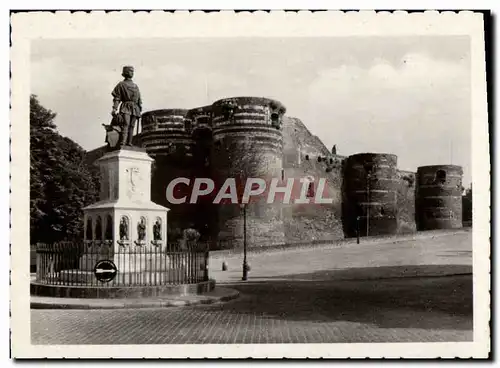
(38, 262)
(206, 255)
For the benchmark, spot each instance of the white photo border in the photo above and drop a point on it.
(143, 24)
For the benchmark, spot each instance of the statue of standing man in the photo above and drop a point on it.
(127, 97)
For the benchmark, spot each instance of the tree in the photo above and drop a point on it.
(61, 183)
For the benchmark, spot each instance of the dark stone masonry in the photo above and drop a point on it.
(439, 197)
(370, 193)
(243, 137)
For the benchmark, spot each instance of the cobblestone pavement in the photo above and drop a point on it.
(319, 306)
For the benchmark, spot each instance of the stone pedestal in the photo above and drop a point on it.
(125, 221)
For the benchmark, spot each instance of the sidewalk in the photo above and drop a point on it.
(339, 243)
(425, 256)
(219, 294)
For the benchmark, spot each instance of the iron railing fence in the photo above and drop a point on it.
(73, 264)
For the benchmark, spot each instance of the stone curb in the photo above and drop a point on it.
(355, 278)
(61, 303)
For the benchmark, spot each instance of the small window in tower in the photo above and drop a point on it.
(307, 157)
(440, 176)
(282, 174)
(368, 167)
(331, 161)
(319, 158)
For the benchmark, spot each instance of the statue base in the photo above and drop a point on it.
(125, 216)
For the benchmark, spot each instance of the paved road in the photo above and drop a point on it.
(312, 297)
(454, 250)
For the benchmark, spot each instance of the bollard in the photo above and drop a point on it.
(224, 266)
(357, 227)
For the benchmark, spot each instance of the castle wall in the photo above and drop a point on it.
(249, 137)
(199, 121)
(165, 138)
(93, 155)
(372, 198)
(248, 143)
(309, 222)
(406, 202)
(439, 197)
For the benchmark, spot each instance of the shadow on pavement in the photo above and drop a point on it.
(368, 295)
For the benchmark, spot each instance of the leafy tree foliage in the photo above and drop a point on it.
(61, 183)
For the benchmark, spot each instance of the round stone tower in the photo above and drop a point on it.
(370, 192)
(167, 137)
(439, 197)
(200, 120)
(248, 143)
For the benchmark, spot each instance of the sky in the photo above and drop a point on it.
(408, 96)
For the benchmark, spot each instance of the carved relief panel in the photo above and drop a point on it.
(104, 192)
(113, 183)
(134, 182)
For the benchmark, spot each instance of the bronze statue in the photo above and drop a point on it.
(141, 230)
(124, 229)
(126, 98)
(114, 132)
(157, 230)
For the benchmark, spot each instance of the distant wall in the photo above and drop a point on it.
(95, 154)
(304, 155)
(406, 202)
(165, 138)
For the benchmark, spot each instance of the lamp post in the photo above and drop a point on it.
(243, 206)
(245, 264)
(368, 169)
(358, 219)
(368, 175)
